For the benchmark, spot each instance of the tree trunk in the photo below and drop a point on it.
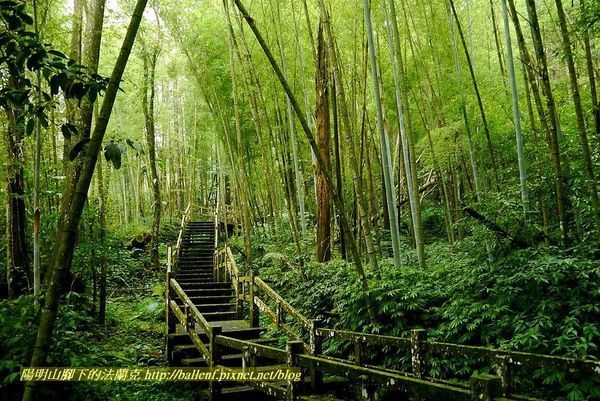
(102, 229)
(338, 160)
(148, 107)
(552, 134)
(36, 179)
(17, 260)
(361, 204)
(583, 139)
(589, 63)
(323, 135)
(497, 39)
(386, 159)
(405, 127)
(478, 96)
(516, 115)
(64, 244)
(311, 139)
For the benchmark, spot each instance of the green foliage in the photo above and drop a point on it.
(539, 300)
(21, 51)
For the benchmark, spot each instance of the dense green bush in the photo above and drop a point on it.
(133, 334)
(540, 300)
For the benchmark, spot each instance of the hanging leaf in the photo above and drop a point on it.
(79, 146)
(112, 153)
(35, 61)
(68, 130)
(76, 90)
(57, 53)
(43, 118)
(30, 126)
(93, 94)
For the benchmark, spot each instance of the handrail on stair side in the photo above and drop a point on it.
(247, 289)
(189, 316)
(250, 288)
(184, 219)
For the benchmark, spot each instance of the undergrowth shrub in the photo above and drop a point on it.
(540, 300)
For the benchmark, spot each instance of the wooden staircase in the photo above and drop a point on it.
(216, 302)
(212, 321)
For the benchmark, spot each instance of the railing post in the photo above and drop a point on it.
(215, 258)
(504, 371)
(245, 357)
(316, 347)
(293, 348)
(186, 315)
(239, 293)
(358, 351)
(485, 387)
(418, 337)
(214, 387)
(169, 316)
(252, 305)
(278, 314)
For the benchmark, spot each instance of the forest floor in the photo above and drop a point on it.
(133, 336)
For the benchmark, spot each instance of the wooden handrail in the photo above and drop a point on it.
(451, 349)
(191, 331)
(194, 312)
(184, 219)
(264, 287)
(398, 342)
(417, 345)
(253, 348)
(446, 391)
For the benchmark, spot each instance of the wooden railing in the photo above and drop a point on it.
(420, 348)
(306, 348)
(257, 294)
(172, 254)
(249, 288)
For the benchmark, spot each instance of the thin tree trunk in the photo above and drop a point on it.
(102, 221)
(337, 199)
(583, 139)
(386, 159)
(17, 263)
(242, 177)
(338, 160)
(36, 179)
(478, 96)
(589, 63)
(361, 204)
(408, 146)
(497, 39)
(516, 115)
(148, 108)
(292, 126)
(323, 135)
(552, 134)
(64, 244)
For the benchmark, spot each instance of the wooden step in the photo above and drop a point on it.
(195, 273)
(210, 299)
(219, 307)
(214, 316)
(198, 272)
(188, 284)
(212, 291)
(195, 292)
(231, 360)
(208, 284)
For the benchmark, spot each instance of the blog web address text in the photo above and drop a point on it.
(219, 373)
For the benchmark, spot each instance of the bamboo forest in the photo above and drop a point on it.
(326, 200)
